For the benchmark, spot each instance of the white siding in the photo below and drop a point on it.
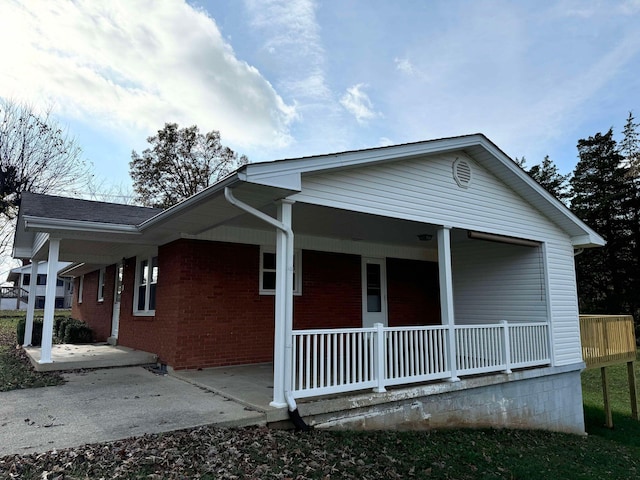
(494, 282)
(424, 190)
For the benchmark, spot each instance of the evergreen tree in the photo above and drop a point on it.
(602, 196)
(548, 175)
(630, 145)
(630, 149)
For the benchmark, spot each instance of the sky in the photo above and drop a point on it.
(289, 78)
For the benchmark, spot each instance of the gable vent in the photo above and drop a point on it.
(462, 172)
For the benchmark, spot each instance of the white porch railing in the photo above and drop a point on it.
(339, 360)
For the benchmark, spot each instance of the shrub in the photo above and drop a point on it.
(77, 332)
(58, 326)
(36, 336)
(62, 326)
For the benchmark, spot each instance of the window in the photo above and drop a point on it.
(26, 279)
(80, 285)
(42, 279)
(59, 282)
(101, 285)
(146, 284)
(268, 271)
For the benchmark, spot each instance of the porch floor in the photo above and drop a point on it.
(250, 385)
(76, 357)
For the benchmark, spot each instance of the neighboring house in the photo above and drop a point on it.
(15, 297)
(436, 261)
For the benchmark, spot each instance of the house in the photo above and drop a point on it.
(437, 267)
(16, 297)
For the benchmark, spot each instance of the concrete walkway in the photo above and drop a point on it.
(110, 404)
(73, 357)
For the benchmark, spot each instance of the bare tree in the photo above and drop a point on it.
(36, 155)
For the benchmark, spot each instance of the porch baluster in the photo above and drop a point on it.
(507, 346)
(380, 355)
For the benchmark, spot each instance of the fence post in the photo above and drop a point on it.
(379, 354)
(507, 346)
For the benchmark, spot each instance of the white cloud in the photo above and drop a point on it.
(404, 65)
(358, 103)
(385, 142)
(136, 64)
(292, 38)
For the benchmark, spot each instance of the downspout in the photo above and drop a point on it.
(288, 232)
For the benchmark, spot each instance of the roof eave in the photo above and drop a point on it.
(589, 239)
(190, 202)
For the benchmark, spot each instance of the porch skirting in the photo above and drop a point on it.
(543, 398)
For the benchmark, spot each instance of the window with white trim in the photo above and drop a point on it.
(80, 287)
(146, 284)
(101, 285)
(268, 271)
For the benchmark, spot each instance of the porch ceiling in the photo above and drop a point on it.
(329, 222)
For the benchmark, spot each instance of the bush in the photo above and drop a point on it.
(36, 336)
(58, 326)
(76, 331)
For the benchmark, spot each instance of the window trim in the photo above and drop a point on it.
(139, 259)
(80, 288)
(101, 275)
(297, 265)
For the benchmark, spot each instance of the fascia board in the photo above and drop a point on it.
(289, 180)
(588, 241)
(40, 224)
(257, 171)
(21, 252)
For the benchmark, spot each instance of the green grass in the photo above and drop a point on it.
(15, 370)
(626, 431)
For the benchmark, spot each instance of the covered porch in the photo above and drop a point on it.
(491, 309)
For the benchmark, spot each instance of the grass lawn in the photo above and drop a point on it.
(626, 431)
(15, 370)
(211, 453)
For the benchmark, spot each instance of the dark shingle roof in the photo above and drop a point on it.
(48, 206)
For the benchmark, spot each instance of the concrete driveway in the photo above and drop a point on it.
(110, 404)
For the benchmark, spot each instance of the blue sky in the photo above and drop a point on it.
(287, 78)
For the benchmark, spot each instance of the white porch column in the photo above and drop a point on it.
(283, 307)
(286, 219)
(446, 294)
(49, 301)
(31, 304)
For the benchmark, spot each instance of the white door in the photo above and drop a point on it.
(115, 320)
(374, 292)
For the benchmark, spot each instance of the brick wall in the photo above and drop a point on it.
(221, 318)
(331, 291)
(153, 334)
(413, 292)
(209, 311)
(97, 314)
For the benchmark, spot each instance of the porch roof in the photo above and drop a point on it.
(100, 233)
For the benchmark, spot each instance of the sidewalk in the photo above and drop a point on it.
(110, 404)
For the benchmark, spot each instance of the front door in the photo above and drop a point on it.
(117, 295)
(374, 292)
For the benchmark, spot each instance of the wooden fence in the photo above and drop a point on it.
(607, 339)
